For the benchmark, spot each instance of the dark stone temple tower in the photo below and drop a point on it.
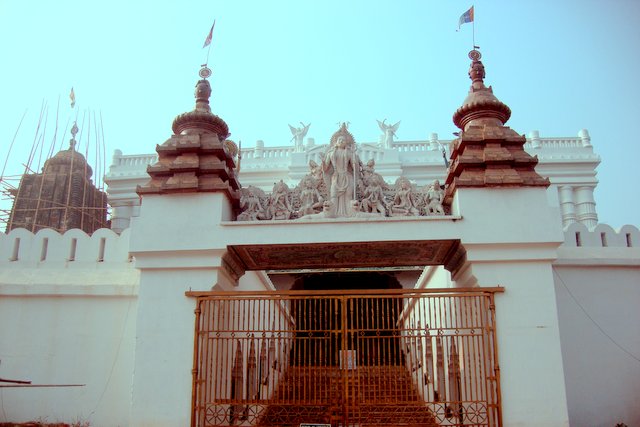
(61, 197)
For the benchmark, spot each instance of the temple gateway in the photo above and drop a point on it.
(461, 282)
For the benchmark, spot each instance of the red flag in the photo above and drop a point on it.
(207, 41)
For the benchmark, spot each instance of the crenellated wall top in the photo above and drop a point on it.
(601, 236)
(73, 249)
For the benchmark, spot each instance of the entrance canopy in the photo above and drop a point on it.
(405, 253)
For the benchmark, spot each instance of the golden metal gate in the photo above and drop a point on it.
(346, 358)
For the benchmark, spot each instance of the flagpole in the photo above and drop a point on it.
(208, 50)
(473, 32)
(207, 42)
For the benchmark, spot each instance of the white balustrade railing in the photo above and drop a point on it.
(415, 145)
(554, 143)
(267, 152)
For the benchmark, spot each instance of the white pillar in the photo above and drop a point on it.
(534, 137)
(567, 206)
(511, 239)
(527, 330)
(174, 241)
(121, 214)
(586, 206)
(259, 151)
(433, 142)
(584, 136)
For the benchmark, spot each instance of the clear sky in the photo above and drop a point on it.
(560, 65)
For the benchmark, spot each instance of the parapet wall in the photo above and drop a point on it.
(602, 236)
(69, 304)
(73, 249)
(597, 284)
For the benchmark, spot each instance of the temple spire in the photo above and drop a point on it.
(201, 119)
(487, 153)
(198, 157)
(480, 106)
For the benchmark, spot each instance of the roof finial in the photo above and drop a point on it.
(205, 72)
(480, 106)
(476, 71)
(202, 94)
(74, 132)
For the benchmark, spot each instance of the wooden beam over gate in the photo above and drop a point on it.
(449, 253)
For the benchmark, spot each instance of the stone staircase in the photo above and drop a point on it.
(366, 396)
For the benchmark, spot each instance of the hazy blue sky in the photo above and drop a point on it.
(560, 65)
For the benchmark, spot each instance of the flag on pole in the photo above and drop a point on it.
(207, 41)
(466, 17)
(72, 97)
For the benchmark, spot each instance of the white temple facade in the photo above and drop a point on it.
(569, 162)
(333, 283)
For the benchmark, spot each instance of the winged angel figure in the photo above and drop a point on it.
(299, 134)
(388, 132)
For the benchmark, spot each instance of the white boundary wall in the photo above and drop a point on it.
(67, 318)
(598, 292)
(74, 322)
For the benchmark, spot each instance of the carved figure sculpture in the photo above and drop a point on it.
(327, 212)
(357, 213)
(280, 205)
(338, 166)
(373, 200)
(253, 209)
(298, 135)
(403, 201)
(388, 132)
(310, 198)
(434, 198)
(316, 170)
(368, 170)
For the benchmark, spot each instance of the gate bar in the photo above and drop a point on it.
(475, 290)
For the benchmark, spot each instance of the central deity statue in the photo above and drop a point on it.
(341, 167)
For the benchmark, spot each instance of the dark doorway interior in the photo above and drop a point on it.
(328, 325)
(346, 281)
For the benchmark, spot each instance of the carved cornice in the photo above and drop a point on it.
(193, 163)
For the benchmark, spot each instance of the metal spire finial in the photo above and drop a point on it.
(205, 72)
(74, 132)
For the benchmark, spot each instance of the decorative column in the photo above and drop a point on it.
(433, 142)
(586, 207)
(259, 151)
(584, 136)
(121, 213)
(567, 206)
(534, 137)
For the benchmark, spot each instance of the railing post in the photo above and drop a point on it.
(194, 371)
